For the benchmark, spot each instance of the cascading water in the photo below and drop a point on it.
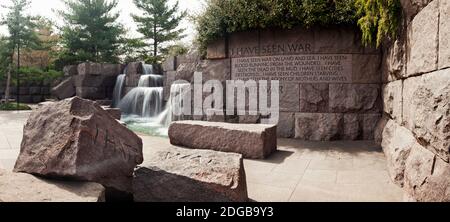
(142, 106)
(175, 102)
(117, 94)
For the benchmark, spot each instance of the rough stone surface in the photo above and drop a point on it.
(90, 69)
(423, 40)
(444, 34)
(412, 7)
(318, 126)
(95, 80)
(355, 98)
(427, 177)
(135, 68)
(394, 60)
(314, 98)
(366, 68)
(21, 187)
(393, 100)
(185, 175)
(112, 69)
(92, 93)
(169, 64)
(254, 141)
(368, 126)
(217, 49)
(426, 110)
(352, 128)
(65, 89)
(379, 129)
(70, 70)
(116, 113)
(219, 69)
(77, 139)
(397, 144)
(186, 71)
(285, 128)
(289, 97)
(337, 40)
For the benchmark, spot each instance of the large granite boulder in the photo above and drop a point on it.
(79, 140)
(135, 68)
(65, 89)
(185, 175)
(255, 141)
(21, 187)
(427, 177)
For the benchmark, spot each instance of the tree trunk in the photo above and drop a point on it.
(8, 83)
(155, 43)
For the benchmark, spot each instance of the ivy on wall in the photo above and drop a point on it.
(376, 18)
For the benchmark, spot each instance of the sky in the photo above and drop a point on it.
(126, 7)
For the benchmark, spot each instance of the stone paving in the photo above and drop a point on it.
(299, 172)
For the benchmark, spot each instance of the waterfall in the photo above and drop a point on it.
(150, 80)
(148, 69)
(143, 101)
(175, 102)
(117, 94)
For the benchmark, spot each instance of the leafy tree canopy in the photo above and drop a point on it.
(159, 25)
(91, 32)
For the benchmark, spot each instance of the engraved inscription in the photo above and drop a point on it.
(320, 68)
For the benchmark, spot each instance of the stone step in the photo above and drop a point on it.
(21, 187)
(185, 175)
(254, 141)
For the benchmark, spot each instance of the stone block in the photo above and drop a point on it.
(219, 69)
(275, 41)
(337, 39)
(369, 124)
(94, 80)
(423, 41)
(217, 49)
(285, 127)
(393, 100)
(92, 93)
(426, 110)
(444, 34)
(65, 89)
(70, 70)
(314, 98)
(243, 44)
(366, 68)
(112, 69)
(427, 177)
(169, 64)
(397, 144)
(37, 98)
(394, 60)
(361, 98)
(134, 68)
(256, 141)
(20, 187)
(78, 139)
(25, 90)
(89, 68)
(318, 126)
(351, 129)
(183, 175)
(289, 97)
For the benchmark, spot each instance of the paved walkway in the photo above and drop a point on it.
(300, 171)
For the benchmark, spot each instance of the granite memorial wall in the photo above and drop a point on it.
(330, 85)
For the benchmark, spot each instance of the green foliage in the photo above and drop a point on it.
(378, 19)
(227, 16)
(13, 106)
(159, 24)
(90, 32)
(31, 75)
(20, 26)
